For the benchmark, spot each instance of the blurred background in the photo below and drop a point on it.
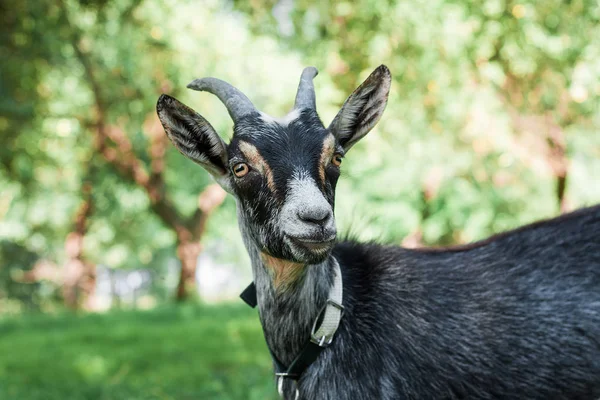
(121, 261)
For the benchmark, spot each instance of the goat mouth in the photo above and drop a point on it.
(316, 245)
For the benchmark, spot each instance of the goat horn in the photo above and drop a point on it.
(238, 105)
(305, 98)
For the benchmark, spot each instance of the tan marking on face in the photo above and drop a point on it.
(258, 162)
(283, 272)
(326, 154)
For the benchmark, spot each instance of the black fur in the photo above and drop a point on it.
(514, 317)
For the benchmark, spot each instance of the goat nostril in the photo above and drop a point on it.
(314, 216)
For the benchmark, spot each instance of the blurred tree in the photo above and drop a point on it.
(106, 118)
(544, 54)
(114, 145)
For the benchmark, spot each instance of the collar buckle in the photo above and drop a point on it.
(280, 381)
(323, 341)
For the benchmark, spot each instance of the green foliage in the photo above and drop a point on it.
(20, 259)
(165, 354)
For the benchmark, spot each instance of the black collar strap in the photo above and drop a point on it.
(249, 295)
(321, 336)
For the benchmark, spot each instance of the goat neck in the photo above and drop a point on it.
(288, 311)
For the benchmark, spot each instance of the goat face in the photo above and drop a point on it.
(290, 168)
(283, 172)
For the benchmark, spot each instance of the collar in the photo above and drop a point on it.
(322, 333)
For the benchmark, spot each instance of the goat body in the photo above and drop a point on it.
(513, 317)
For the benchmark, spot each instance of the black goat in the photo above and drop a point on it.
(513, 317)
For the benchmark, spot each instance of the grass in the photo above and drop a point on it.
(174, 353)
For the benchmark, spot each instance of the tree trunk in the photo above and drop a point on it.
(88, 285)
(75, 268)
(73, 271)
(188, 238)
(188, 252)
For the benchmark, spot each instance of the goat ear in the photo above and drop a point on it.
(192, 135)
(362, 109)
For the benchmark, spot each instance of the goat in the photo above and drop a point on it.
(514, 317)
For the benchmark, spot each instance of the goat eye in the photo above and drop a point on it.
(337, 159)
(240, 169)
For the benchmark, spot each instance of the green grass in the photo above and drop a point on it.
(179, 353)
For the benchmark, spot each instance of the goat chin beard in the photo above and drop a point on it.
(291, 254)
(308, 252)
(309, 257)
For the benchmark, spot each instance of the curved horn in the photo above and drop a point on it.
(305, 98)
(238, 105)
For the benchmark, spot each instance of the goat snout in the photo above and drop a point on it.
(312, 228)
(315, 215)
(307, 219)
(313, 224)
